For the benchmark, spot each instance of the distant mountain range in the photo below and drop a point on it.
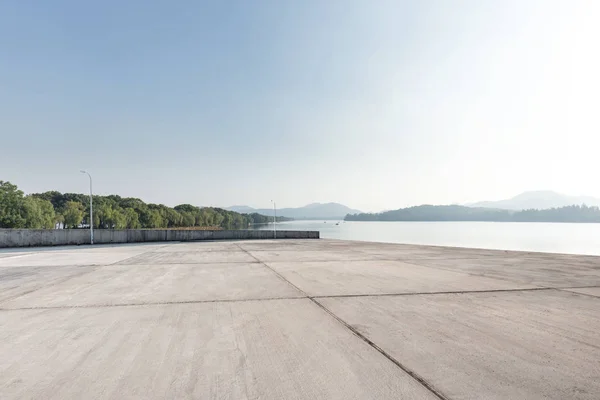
(571, 213)
(542, 199)
(310, 211)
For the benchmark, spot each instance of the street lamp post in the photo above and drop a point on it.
(274, 220)
(91, 209)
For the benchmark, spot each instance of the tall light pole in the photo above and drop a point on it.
(274, 220)
(91, 209)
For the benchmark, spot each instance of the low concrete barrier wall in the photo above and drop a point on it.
(59, 237)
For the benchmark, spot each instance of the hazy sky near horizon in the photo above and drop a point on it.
(374, 104)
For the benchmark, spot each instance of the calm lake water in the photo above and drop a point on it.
(544, 237)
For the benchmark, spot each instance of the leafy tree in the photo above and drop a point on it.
(187, 208)
(256, 218)
(57, 199)
(11, 206)
(155, 219)
(110, 215)
(102, 214)
(218, 219)
(59, 219)
(32, 213)
(119, 219)
(38, 213)
(96, 219)
(73, 214)
(132, 220)
(48, 214)
(174, 219)
(187, 218)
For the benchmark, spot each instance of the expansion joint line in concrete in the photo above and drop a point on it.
(156, 303)
(397, 363)
(302, 295)
(404, 368)
(334, 296)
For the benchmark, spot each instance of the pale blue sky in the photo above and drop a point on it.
(374, 104)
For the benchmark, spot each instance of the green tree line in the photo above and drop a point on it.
(573, 213)
(71, 210)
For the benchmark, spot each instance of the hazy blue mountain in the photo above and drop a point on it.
(310, 211)
(542, 199)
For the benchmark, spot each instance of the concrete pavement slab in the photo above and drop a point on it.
(17, 281)
(275, 245)
(132, 248)
(510, 345)
(64, 258)
(412, 253)
(141, 284)
(193, 246)
(333, 278)
(281, 349)
(308, 255)
(189, 257)
(535, 270)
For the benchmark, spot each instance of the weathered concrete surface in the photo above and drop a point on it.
(297, 319)
(152, 284)
(189, 257)
(308, 254)
(540, 270)
(517, 345)
(381, 277)
(59, 237)
(17, 281)
(238, 350)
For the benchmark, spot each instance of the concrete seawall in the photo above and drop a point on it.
(59, 237)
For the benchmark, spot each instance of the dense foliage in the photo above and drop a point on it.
(574, 213)
(71, 210)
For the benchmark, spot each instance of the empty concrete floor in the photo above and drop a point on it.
(311, 319)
